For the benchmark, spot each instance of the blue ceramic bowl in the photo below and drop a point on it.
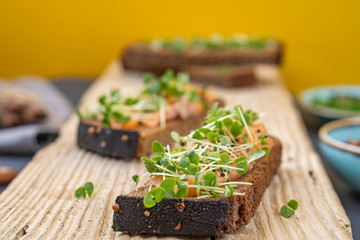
(343, 157)
(306, 98)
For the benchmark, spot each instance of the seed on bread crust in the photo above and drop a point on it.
(180, 206)
(125, 138)
(178, 227)
(91, 131)
(115, 207)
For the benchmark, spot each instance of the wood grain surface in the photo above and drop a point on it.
(40, 202)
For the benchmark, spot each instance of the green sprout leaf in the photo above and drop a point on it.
(184, 162)
(214, 107)
(156, 159)
(154, 196)
(197, 178)
(158, 194)
(224, 158)
(193, 157)
(148, 77)
(176, 137)
(80, 192)
(262, 139)
(241, 163)
(236, 128)
(120, 117)
(286, 212)
(144, 159)
(115, 93)
(257, 155)
(182, 189)
(168, 185)
(148, 201)
(183, 177)
(89, 187)
(135, 178)
(212, 136)
(197, 135)
(227, 122)
(225, 140)
(210, 179)
(102, 100)
(218, 126)
(266, 149)
(185, 171)
(229, 191)
(131, 101)
(293, 204)
(204, 130)
(164, 162)
(149, 165)
(190, 154)
(105, 121)
(157, 147)
(171, 168)
(192, 168)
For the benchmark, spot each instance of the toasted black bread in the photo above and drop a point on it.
(269, 55)
(120, 143)
(202, 65)
(228, 76)
(198, 217)
(139, 56)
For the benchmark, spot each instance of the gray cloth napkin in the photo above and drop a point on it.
(29, 138)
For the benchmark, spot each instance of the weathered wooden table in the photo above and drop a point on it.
(40, 202)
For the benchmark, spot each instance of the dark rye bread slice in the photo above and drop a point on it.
(268, 55)
(120, 143)
(235, 76)
(139, 56)
(198, 217)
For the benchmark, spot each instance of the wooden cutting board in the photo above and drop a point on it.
(40, 202)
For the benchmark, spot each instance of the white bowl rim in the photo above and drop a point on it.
(325, 129)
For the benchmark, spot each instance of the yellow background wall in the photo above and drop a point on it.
(80, 37)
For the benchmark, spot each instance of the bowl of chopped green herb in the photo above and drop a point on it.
(340, 145)
(331, 102)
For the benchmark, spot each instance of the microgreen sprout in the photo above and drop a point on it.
(151, 103)
(214, 42)
(288, 210)
(86, 190)
(208, 161)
